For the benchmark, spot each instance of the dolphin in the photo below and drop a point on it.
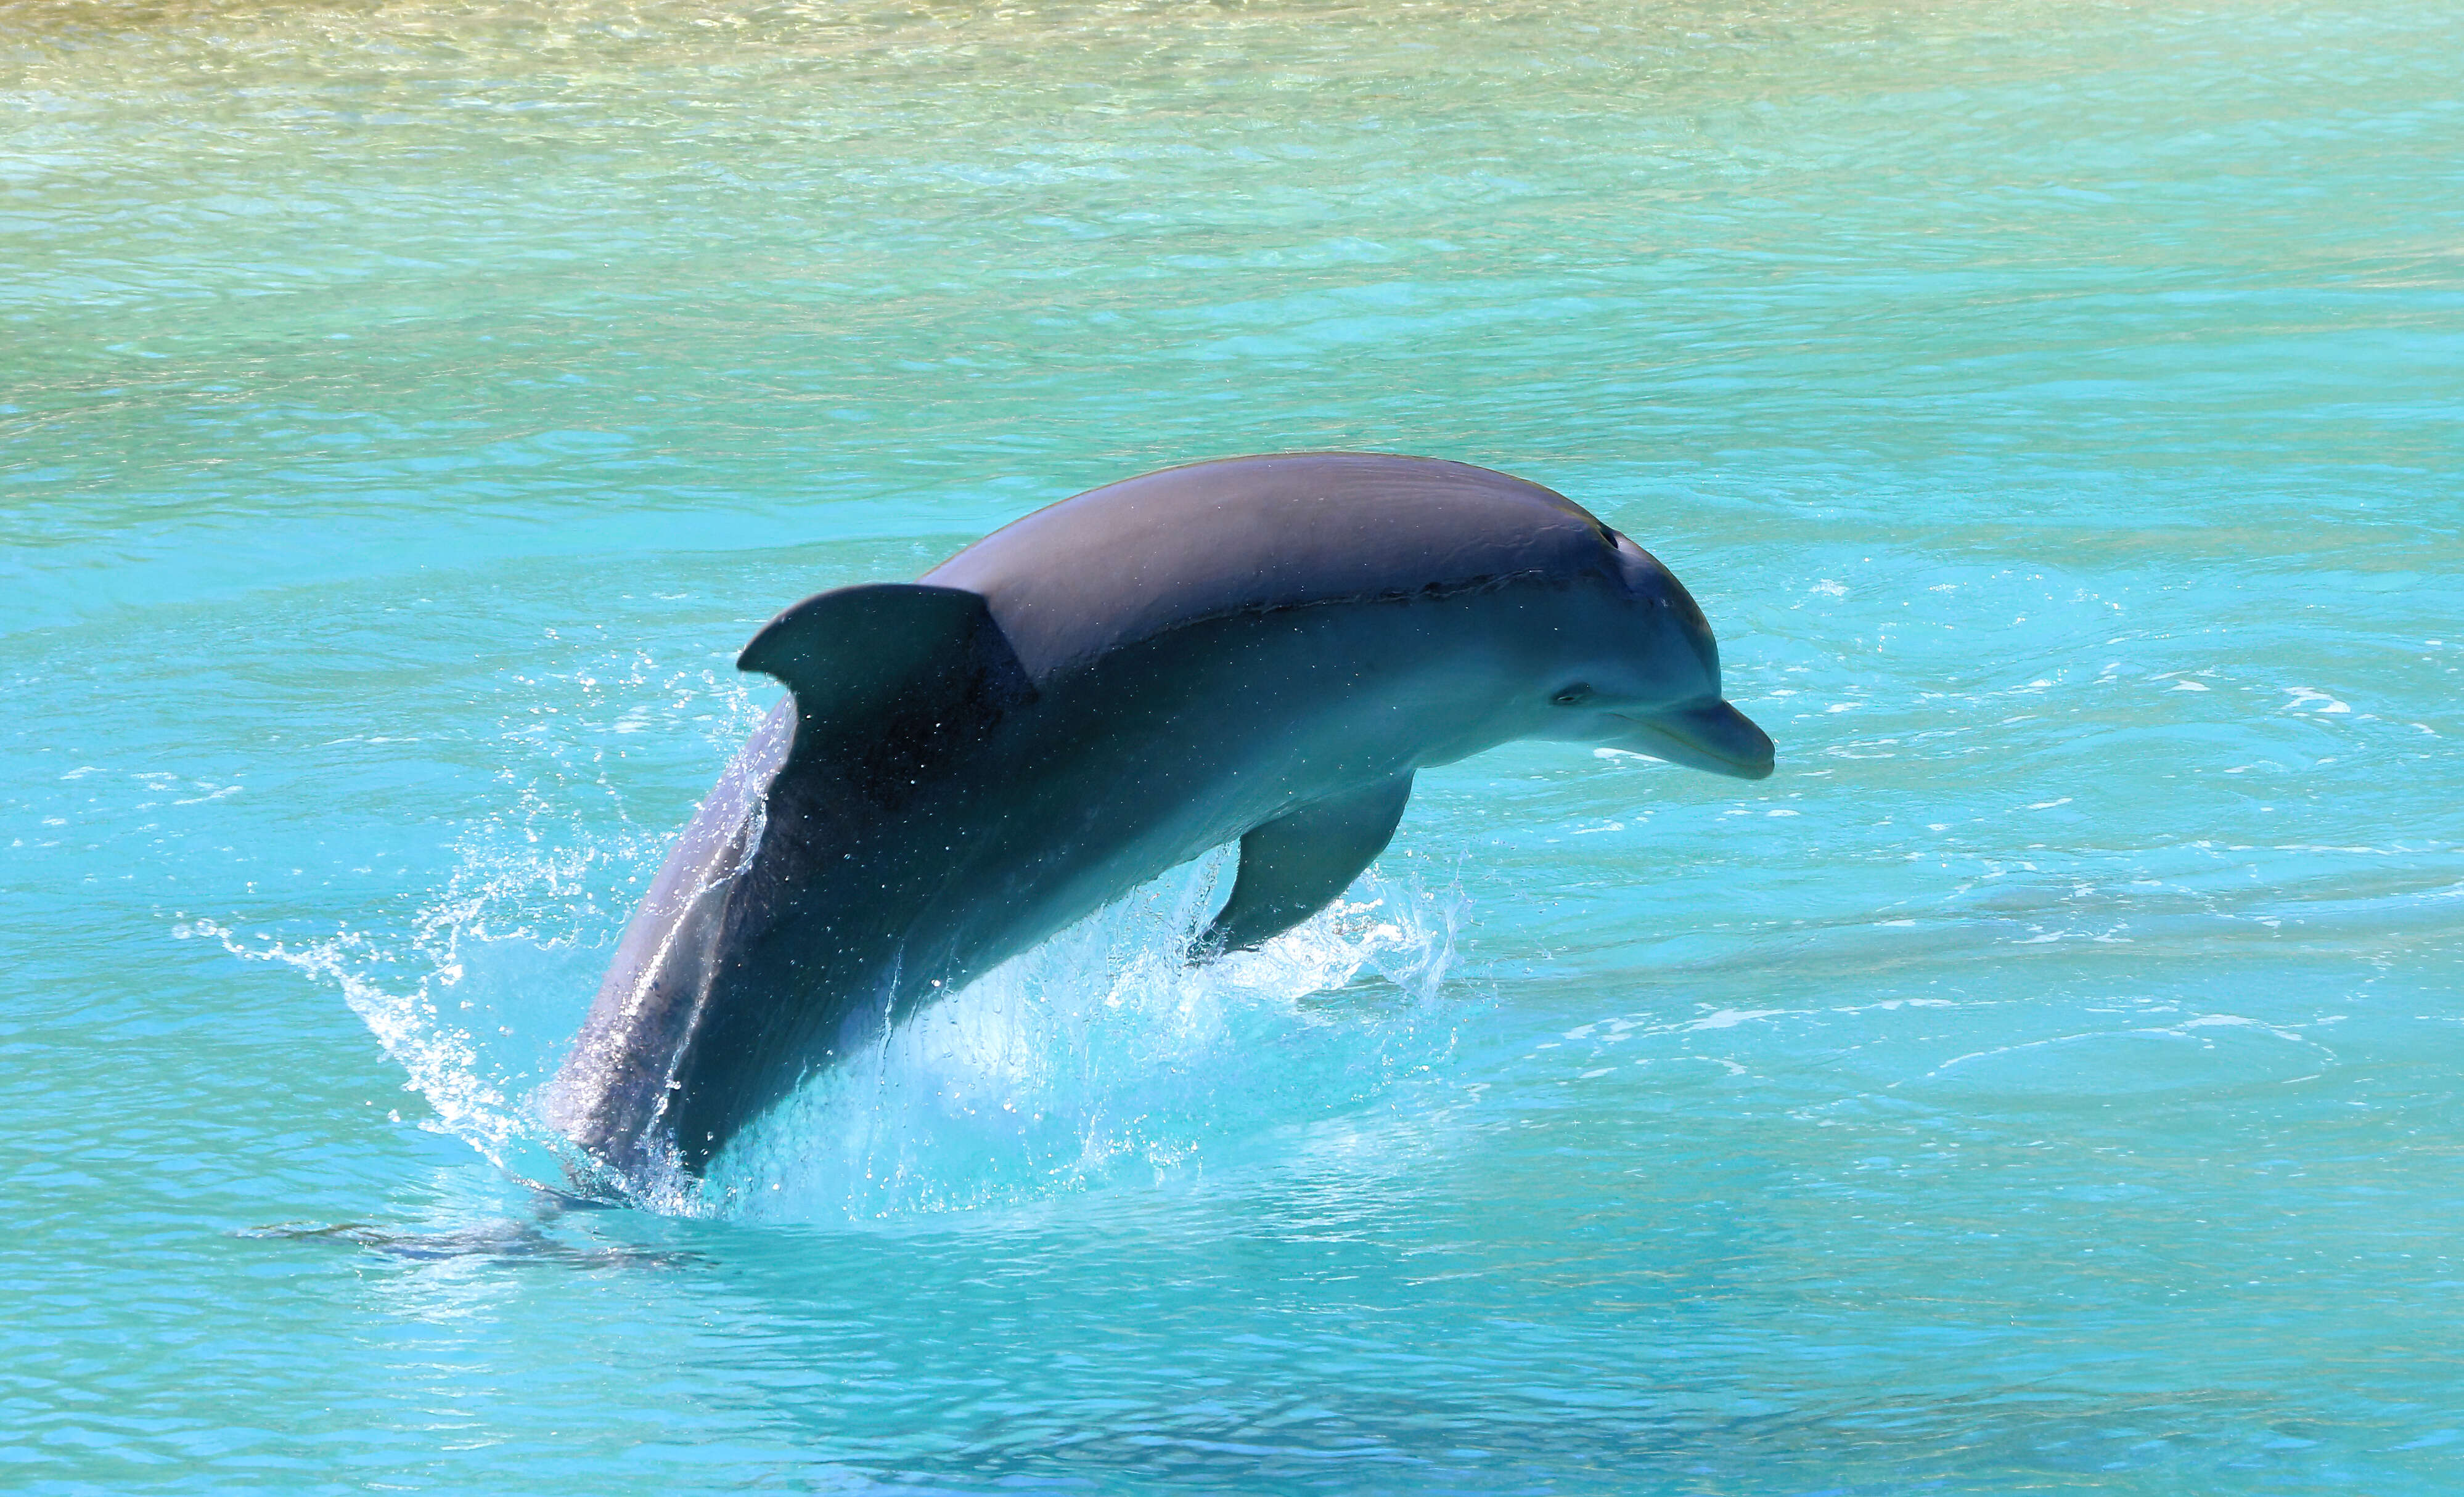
(1263, 648)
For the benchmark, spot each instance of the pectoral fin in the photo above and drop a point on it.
(888, 677)
(1295, 864)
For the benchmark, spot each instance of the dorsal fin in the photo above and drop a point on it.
(888, 677)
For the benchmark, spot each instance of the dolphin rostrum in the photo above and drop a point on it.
(1264, 649)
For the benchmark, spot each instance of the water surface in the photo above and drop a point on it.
(2047, 1081)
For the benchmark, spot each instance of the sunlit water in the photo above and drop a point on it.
(2047, 1081)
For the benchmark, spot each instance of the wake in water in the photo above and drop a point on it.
(1097, 1057)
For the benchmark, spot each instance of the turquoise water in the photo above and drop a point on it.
(2049, 1081)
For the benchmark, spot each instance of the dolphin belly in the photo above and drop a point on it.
(612, 1088)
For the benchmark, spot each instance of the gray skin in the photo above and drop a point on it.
(1264, 648)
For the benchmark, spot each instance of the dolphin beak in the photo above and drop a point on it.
(1717, 738)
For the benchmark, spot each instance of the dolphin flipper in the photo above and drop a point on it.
(1295, 864)
(888, 677)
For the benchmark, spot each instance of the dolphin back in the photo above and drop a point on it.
(1130, 560)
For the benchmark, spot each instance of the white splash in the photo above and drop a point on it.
(1101, 1048)
(1102, 1055)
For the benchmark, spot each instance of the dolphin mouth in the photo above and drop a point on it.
(1717, 738)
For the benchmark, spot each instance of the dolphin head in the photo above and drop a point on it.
(1631, 665)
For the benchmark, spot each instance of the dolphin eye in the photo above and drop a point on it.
(1573, 696)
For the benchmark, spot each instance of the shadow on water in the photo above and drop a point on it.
(503, 1241)
(497, 1242)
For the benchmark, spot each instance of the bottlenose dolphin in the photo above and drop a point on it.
(1264, 649)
